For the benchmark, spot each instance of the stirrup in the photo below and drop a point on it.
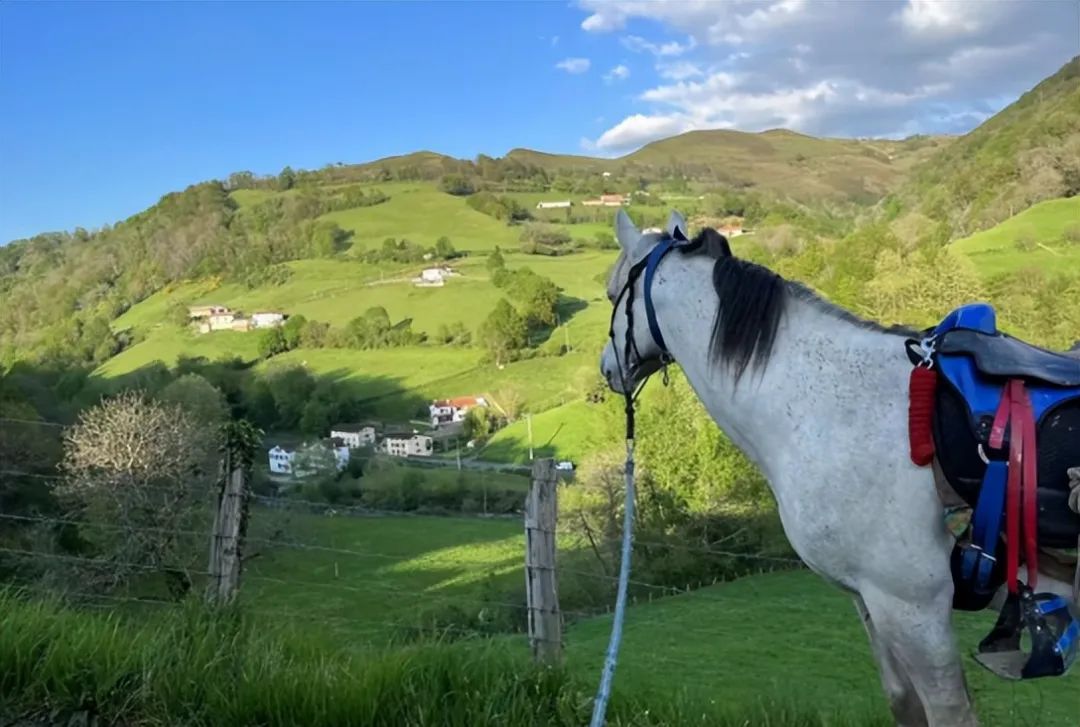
(1053, 629)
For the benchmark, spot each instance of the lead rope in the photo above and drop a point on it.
(604, 692)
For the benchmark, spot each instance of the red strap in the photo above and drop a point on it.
(1012, 503)
(1023, 481)
(1001, 419)
(1029, 456)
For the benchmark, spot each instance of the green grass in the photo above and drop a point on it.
(568, 432)
(195, 667)
(423, 214)
(788, 636)
(995, 250)
(167, 343)
(397, 567)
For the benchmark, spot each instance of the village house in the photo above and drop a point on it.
(607, 200)
(284, 461)
(241, 324)
(270, 319)
(354, 435)
(281, 460)
(198, 312)
(561, 204)
(447, 411)
(434, 277)
(407, 444)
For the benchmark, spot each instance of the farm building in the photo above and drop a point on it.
(607, 200)
(446, 411)
(354, 435)
(561, 204)
(407, 444)
(281, 460)
(306, 459)
(198, 312)
(433, 277)
(266, 319)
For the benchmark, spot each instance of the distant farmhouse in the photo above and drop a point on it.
(407, 444)
(220, 318)
(301, 462)
(449, 411)
(355, 435)
(561, 204)
(434, 277)
(607, 200)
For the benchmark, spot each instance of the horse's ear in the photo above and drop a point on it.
(627, 234)
(676, 225)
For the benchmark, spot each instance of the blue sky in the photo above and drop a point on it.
(108, 106)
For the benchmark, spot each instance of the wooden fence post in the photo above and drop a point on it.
(230, 522)
(545, 620)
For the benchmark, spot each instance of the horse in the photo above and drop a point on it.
(818, 399)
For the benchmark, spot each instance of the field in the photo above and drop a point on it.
(343, 585)
(422, 214)
(567, 432)
(165, 344)
(1037, 237)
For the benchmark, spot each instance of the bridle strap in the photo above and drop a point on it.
(652, 262)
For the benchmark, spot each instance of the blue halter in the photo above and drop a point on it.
(652, 262)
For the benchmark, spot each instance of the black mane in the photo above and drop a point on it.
(753, 300)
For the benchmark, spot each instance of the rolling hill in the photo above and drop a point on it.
(1026, 153)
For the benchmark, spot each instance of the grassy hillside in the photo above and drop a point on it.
(570, 432)
(1046, 236)
(804, 644)
(422, 214)
(1027, 153)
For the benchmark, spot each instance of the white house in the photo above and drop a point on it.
(267, 319)
(407, 444)
(281, 461)
(205, 311)
(354, 435)
(446, 411)
(560, 204)
(284, 461)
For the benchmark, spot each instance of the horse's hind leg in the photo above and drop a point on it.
(904, 701)
(919, 636)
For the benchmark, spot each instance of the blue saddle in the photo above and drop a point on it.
(976, 362)
(979, 360)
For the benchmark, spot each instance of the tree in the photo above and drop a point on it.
(287, 179)
(456, 184)
(478, 423)
(135, 469)
(291, 388)
(272, 342)
(198, 397)
(495, 261)
(292, 331)
(177, 313)
(443, 249)
(503, 332)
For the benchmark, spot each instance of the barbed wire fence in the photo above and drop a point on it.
(296, 560)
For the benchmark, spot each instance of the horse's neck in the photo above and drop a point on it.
(823, 372)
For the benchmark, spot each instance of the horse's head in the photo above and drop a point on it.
(633, 352)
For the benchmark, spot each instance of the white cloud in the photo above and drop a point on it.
(574, 65)
(672, 48)
(618, 73)
(852, 68)
(679, 70)
(636, 130)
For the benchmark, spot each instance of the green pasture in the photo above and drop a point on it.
(568, 432)
(167, 343)
(1035, 238)
(422, 214)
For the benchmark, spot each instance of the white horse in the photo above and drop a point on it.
(818, 399)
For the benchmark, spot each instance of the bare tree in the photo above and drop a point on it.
(136, 470)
